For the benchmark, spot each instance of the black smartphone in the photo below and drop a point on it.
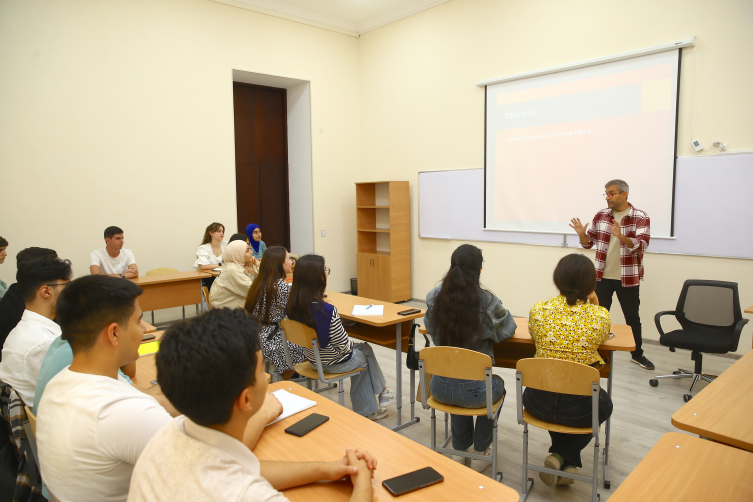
(147, 337)
(409, 312)
(308, 424)
(412, 481)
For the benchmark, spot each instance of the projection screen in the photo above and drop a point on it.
(553, 140)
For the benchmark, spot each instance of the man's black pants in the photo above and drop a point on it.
(630, 301)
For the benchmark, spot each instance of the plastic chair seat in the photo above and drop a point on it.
(457, 410)
(305, 369)
(550, 426)
(708, 340)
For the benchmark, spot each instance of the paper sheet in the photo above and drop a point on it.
(291, 404)
(366, 310)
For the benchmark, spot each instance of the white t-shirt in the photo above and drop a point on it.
(109, 265)
(205, 255)
(24, 351)
(185, 461)
(91, 430)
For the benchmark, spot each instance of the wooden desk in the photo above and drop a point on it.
(388, 330)
(698, 470)
(722, 410)
(395, 455)
(149, 328)
(522, 346)
(170, 290)
(749, 310)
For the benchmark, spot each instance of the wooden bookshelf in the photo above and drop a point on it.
(383, 226)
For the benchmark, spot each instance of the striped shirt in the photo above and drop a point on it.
(334, 344)
(636, 226)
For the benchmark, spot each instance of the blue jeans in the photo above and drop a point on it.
(365, 385)
(468, 394)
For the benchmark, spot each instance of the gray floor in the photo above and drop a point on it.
(641, 416)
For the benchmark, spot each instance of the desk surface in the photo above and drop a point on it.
(698, 470)
(395, 455)
(722, 410)
(345, 304)
(176, 277)
(749, 310)
(149, 328)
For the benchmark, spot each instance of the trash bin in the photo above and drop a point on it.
(354, 287)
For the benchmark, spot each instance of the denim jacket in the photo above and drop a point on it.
(497, 323)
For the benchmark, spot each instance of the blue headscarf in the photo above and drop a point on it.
(250, 233)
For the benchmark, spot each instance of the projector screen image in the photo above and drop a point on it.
(553, 141)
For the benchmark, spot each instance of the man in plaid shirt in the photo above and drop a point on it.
(621, 234)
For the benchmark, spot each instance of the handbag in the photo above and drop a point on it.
(411, 360)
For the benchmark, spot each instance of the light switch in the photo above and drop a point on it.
(324, 233)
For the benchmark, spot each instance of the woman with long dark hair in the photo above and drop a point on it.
(209, 253)
(369, 394)
(460, 313)
(570, 326)
(266, 301)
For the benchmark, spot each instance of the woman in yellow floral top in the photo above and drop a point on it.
(570, 326)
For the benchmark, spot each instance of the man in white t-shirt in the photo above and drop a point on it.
(113, 259)
(40, 284)
(211, 369)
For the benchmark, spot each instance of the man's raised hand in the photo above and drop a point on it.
(579, 227)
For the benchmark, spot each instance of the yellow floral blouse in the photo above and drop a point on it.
(569, 332)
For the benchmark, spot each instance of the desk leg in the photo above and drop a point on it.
(607, 482)
(399, 382)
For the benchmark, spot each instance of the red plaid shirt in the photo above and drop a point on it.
(636, 225)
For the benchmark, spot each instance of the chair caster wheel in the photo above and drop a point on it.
(687, 397)
(607, 484)
(677, 372)
(653, 382)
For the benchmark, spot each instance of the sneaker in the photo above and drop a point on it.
(387, 398)
(571, 469)
(463, 460)
(480, 465)
(643, 362)
(553, 461)
(379, 414)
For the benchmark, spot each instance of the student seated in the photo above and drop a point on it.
(12, 305)
(460, 313)
(570, 326)
(200, 456)
(113, 259)
(40, 284)
(338, 352)
(230, 289)
(254, 238)
(238, 237)
(209, 254)
(267, 300)
(3, 254)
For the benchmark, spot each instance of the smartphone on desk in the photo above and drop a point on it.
(406, 483)
(308, 424)
(409, 312)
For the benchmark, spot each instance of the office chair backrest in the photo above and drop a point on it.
(708, 304)
(160, 271)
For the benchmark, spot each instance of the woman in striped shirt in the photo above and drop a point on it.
(369, 394)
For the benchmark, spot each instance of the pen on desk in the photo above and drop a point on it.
(367, 308)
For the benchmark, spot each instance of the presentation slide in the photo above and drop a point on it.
(552, 141)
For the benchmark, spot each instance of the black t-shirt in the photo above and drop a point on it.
(12, 307)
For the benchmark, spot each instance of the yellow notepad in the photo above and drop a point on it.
(148, 348)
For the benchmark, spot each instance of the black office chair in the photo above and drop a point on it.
(711, 319)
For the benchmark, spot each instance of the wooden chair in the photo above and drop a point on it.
(564, 377)
(453, 362)
(159, 271)
(205, 290)
(31, 433)
(300, 334)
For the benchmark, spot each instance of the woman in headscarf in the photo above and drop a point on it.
(238, 273)
(254, 238)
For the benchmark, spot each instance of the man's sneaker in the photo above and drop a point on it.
(553, 461)
(643, 362)
(571, 469)
(379, 414)
(387, 398)
(480, 465)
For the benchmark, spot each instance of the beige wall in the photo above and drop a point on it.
(421, 111)
(121, 112)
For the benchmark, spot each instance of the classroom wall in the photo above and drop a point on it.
(121, 112)
(421, 111)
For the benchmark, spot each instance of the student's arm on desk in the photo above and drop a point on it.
(502, 321)
(132, 272)
(271, 409)
(358, 464)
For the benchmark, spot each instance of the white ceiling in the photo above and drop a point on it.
(352, 17)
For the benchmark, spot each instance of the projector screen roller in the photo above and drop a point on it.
(553, 140)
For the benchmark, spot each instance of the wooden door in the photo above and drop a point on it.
(261, 161)
(365, 272)
(382, 278)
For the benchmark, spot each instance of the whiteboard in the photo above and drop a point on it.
(712, 215)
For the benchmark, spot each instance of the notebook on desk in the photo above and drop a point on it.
(291, 404)
(367, 310)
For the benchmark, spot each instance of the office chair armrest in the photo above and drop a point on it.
(658, 323)
(739, 326)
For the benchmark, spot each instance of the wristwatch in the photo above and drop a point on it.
(122, 276)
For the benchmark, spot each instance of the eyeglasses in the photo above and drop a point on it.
(327, 270)
(57, 284)
(610, 194)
